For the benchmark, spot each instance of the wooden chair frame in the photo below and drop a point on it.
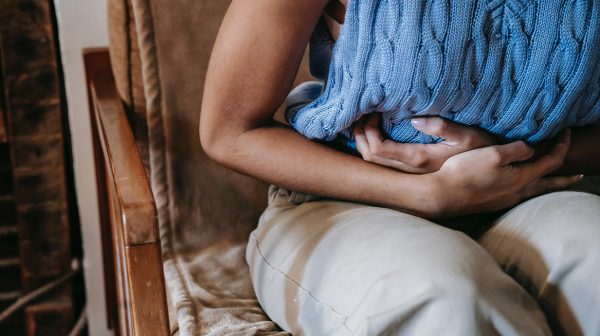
(135, 286)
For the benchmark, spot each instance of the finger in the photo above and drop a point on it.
(451, 132)
(427, 157)
(411, 154)
(363, 147)
(361, 140)
(398, 165)
(553, 159)
(513, 152)
(373, 132)
(547, 184)
(416, 155)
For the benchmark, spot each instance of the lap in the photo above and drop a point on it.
(338, 259)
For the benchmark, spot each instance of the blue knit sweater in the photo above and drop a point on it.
(521, 69)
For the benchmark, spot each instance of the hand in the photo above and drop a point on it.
(496, 177)
(418, 158)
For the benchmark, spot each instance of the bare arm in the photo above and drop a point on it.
(255, 59)
(254, 62)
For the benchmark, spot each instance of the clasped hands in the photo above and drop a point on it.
(418, 158)
(479, 171)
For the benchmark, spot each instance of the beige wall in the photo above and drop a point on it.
(82, 24)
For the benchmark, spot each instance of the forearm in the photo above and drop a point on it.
(278, 155)
(584, 154)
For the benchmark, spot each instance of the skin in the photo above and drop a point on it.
(422, 159)
(252, 68)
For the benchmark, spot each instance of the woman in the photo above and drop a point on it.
(372, 254)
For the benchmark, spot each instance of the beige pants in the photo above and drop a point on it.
(327, 268)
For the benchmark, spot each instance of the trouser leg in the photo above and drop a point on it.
(336, 268)
(551, 245)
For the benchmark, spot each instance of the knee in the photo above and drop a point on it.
(566, 230)
(455, 285)
(547, 229)
(565, 213)
(456, 291)
(575, 254)
(454, 299)
(456, 274)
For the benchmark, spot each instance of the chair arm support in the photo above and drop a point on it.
(137, 207)
(134, 279)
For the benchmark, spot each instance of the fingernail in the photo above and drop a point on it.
(580, 177)
(418, 121)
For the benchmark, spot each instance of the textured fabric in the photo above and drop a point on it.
(205, 210)
(520, 69)
(324, 267)
(551, 246)
(126, 66)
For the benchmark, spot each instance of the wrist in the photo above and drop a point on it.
(422, 196)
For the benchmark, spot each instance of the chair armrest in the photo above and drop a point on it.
(140, 224)
(134, 278)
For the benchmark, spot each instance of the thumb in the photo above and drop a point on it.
(517, 151)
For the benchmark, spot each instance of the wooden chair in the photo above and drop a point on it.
(136, 297)
(169, 215)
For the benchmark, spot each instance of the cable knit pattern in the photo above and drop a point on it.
(521, 69)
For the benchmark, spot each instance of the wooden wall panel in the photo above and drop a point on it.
(34, 115)
(49, 319)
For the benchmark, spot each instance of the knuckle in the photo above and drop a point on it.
(367, 156)
(495, 155)
(376, 148)
(560, 162)
(564, 182)
(558, 184)
(370, 126)
(471, 140)
(556, 162)
(420, 160)
(439, 125)
(523, 147)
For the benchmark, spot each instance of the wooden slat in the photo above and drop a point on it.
(97, 65)
(9, 296)
(9, 242)
(119, 260)
(131, 182)
(51, 318)
(7, 198)
(9, 262)
(8, 230)
(3, 131)
(32, 110)
(147, 290)
(128, 209)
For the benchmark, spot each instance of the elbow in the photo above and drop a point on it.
(216, 140)
(213, 142)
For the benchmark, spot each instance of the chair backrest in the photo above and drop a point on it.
(159, 51)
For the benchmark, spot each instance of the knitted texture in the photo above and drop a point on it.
(521, 69)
